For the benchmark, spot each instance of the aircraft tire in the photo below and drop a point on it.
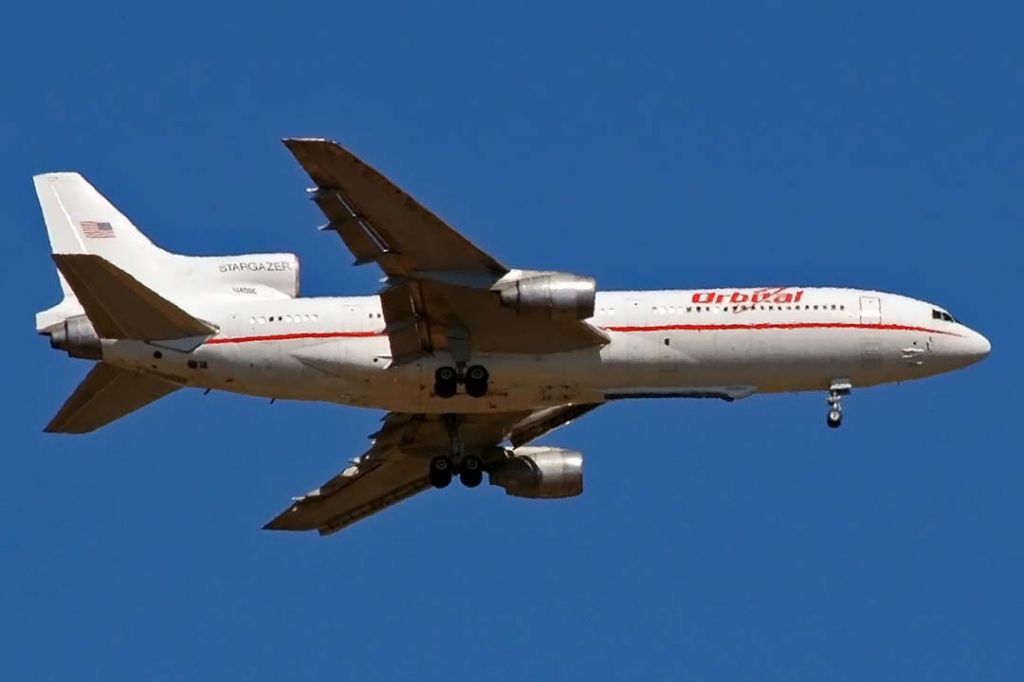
(440, 472)
(476, 381)
(446, 382)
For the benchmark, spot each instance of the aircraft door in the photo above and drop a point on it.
(870, 347)
(870, 310)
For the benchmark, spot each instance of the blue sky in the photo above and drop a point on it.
(649, 145)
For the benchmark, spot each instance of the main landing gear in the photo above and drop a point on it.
(836, 391)
(442, 470)
(469, 467)
(447, 380)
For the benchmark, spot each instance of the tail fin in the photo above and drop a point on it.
(80, 220)
(120, 307)
(107, 393)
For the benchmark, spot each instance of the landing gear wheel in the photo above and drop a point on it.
(476, 381)
(471, 479)
(445, 382)
(834, 419)
(836, 391)
(471, 472)
(440, 472)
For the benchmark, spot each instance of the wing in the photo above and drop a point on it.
(441, 289)
(395, 466)
(381, 223)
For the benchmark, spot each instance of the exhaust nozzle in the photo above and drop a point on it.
(78, 338)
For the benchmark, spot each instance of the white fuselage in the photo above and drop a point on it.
(727, 343)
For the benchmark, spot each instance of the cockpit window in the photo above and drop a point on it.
(942, 315)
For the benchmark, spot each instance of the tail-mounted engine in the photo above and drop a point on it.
(557, 295)
(77, 336)
(540, 472)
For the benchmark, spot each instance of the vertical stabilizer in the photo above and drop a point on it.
(80, 220)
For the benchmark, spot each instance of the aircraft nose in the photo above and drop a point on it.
(980, 346)
(972, 348)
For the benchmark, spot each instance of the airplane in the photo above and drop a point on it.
(474, 361)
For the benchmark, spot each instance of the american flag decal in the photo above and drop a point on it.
(95, 230)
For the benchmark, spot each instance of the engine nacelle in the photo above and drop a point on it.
(78, 337)
(540, 472)
(553, 294)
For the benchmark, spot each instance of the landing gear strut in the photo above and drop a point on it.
(447, 380)
(836, 391)
(469, 467)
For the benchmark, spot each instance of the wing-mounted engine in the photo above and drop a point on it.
(540, 472)
(555, 295)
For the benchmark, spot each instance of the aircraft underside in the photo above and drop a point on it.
(474, 361)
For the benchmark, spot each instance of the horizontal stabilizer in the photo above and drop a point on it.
(121, 307)
(107, 393)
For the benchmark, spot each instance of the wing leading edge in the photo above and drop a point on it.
(442, 292)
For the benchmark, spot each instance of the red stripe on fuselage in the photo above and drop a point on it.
(755, 326)
(297, 335)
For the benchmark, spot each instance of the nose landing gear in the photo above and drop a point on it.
(836, 391)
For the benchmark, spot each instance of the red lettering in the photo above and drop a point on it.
(704, 297)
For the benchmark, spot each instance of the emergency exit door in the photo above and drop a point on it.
(870, 310)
